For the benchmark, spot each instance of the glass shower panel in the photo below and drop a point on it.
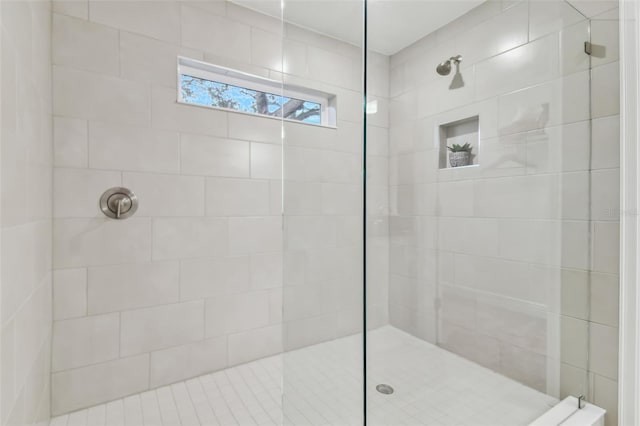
(502, 212)
(322, 206)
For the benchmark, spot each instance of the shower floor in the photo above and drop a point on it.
(322, 386)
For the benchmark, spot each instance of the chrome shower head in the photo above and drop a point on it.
(444, 68)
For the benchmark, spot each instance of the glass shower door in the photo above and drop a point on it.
(322, 214)
(502, 233)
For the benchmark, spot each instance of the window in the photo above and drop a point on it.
(217, 87)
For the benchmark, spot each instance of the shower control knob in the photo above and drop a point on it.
(118, 203)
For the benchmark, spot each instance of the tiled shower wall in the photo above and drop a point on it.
(193, 281)
(513, 263)
(25, 320)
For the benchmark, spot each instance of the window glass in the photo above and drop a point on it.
(216, 94)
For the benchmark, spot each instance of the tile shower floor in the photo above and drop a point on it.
(322, 386)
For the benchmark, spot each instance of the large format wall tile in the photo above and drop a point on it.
(183, 238)
(90, 242)
(159, 20)
(122, 287)
(85, 341)
(85, 45)
(82, 94)
(196, 276)
(91, 385)
(140, 149)
(145, 330)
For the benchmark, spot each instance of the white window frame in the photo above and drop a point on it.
(216, 73)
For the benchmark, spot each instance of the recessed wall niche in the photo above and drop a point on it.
(459, 132)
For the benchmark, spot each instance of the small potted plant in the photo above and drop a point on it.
(460, 155)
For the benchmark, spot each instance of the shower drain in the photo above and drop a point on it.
(385, 389)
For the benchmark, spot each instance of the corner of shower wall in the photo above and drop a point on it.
(377, 172)
(25, 255)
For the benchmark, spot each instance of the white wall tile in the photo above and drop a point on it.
(237, 197)
(574, 340)
(547, 17)
(254, 344)
(574, 244)
(161, 21)
(89, 242)
(168, 114)
(209, 32)
(590, 8)
(85, 45)
(117, 147)
(468, 235)
(266, 49)
(236, 312)
(25, 267)
(86, 386)
(605, 142)
(160, 327)
(603, 350)
(604, 298)
(166, 195)
(524, 66)
(77, 8)
(99, 97)
(181, 238)
(255, 235)
(574, 194)
(605, 200)
(266, 271)
(559, 149)
(69, 293)
(495, 35)
(77, 192)
(85, 341)
(186, 361)
(7, 368)
(253, 128)
(574, 293)
(148, 60)
(309, 232)
(294, 59)
(215, 157)
(266, 161)
(604, 33)
(301, 197)
(253, 18)
(573, 58)
(70, 142)
(212, 6)
(606, 242)
(605, 90)
(557, 102)
(333, 68)
(342, 199)
(303, 332)
(121, 287)
(209, 277)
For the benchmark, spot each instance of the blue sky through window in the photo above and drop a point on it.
(212, 93)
